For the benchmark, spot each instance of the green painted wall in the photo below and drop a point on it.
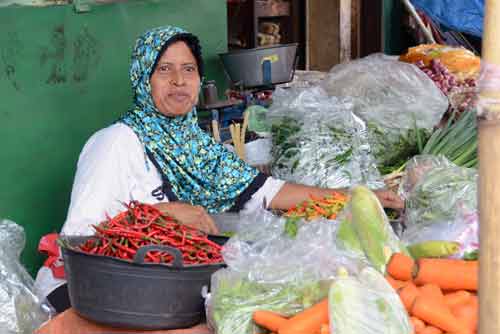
(63, 76)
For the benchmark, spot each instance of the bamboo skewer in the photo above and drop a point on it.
(238, 133)
(215, 130)
(238, 139)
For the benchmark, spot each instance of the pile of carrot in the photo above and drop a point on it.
(439, 294)
(313, 320)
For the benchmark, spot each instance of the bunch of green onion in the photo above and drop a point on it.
(457, 140)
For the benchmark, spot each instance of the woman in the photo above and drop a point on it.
(158, 154)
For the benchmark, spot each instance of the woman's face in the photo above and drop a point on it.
(175, 83)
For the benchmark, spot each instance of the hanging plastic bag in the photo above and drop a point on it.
(21, 312)
(267, 270)
(397, 101)
(318, 141)
(441, 203)
(366, 304)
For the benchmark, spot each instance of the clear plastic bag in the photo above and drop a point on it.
(441, 203)
(417, 168)
(318, 141)
(366, 304)
(388, 92)
(21, 312)
(258, 152)
(394, 99)
(267, 270)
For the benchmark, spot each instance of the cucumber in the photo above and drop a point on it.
(434, 248)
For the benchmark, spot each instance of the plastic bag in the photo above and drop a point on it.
(461, 62)
(441, 203)
(417, 168)
(366, 304)
(396, 100)
(318, 141)
(388, 92)
(258, 152)
(269, 271)
(257, 119)
(21, 312)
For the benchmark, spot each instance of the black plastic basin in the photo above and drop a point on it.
(135, 295)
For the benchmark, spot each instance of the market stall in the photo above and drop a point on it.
(423, 124)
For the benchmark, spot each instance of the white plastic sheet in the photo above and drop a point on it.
(21, 312)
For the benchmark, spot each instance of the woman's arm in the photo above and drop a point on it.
(190, 215)
(291, 194)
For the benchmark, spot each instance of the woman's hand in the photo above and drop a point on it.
(190, 215)
(389, 199)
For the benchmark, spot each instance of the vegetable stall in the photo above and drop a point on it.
(406, 123)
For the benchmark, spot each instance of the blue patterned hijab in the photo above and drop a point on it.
(200, 170)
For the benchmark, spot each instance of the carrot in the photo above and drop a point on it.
(401, 267)
(307, 321)
(269, 320)
(408, 294)
(325, 329)
(396, 284)
(418, 324)
(432, 291)
(468, 313)
(462, 331)
(320, 210)
(456, 298)
(430, 330)
(448, 274)
(435, 314)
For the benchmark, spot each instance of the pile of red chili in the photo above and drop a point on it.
(142, 225)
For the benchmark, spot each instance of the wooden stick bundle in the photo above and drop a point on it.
(238, 133)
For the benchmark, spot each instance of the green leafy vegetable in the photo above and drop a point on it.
(291, 227)
(392, 150)
(457, 140)
(471, 256)
(235, 299)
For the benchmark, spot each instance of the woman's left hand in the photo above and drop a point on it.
(389, 199)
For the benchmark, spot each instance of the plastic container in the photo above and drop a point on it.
(136, 295)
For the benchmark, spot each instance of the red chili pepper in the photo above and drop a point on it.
(142, 224)
(124, 248)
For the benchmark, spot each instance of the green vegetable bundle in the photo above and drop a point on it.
(235, 298)
(457, 140)
(392, 150)
(322, 152)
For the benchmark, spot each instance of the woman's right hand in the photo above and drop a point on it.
(190, 215)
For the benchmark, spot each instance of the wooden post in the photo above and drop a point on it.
(489, 169)
(328, 33)
(345, 7)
